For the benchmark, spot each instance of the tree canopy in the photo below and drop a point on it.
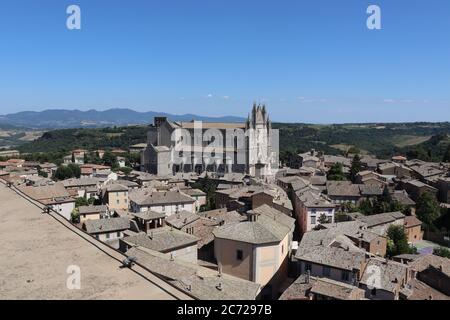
(428, 209)
(398, 241)
(442, 252)
(336, 172)
(355, 167)
(67, 171)
(208, 186)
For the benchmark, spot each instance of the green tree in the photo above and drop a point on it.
(418, 152)
(131, 159)
(75, 216)
(349, 207)
(397, 206)
(42, 174)
(428, 209)
(126, 170)
(353, 150)
(355, 167)
(95, 158)
(67, 171)
(447, 155)
(109, 159)
(381, 204)
(443, 222)
(397, 241)
(386, 196)
(366, 207)
(323, 219)
(208, 186)
(336, 172)
(81, 201)
(286, 157)
(63, 172)
(442, 252)
(75, 169)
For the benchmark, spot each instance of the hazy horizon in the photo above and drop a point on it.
(228, 115)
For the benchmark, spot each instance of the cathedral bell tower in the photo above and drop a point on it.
(259, 129)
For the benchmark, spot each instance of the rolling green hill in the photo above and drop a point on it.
(427, 141)
(65, 140)
(381, 140)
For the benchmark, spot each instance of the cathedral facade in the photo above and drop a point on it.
(250, 147)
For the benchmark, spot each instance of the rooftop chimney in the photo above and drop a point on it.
(308, 274)
(252, 216)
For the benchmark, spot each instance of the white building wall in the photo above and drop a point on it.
(315, 215)
(110, 236)
(81, 193)
(167, 209)
(188, 254)
(64, 209)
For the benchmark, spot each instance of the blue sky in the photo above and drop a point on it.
(308, 60)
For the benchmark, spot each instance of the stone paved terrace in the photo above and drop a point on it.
(37, 249)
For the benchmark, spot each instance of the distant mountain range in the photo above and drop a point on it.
(58, 119)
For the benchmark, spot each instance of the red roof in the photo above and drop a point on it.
(86, 170)
(412, 221)
(15, 161)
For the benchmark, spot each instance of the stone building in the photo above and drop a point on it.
(196, 146)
